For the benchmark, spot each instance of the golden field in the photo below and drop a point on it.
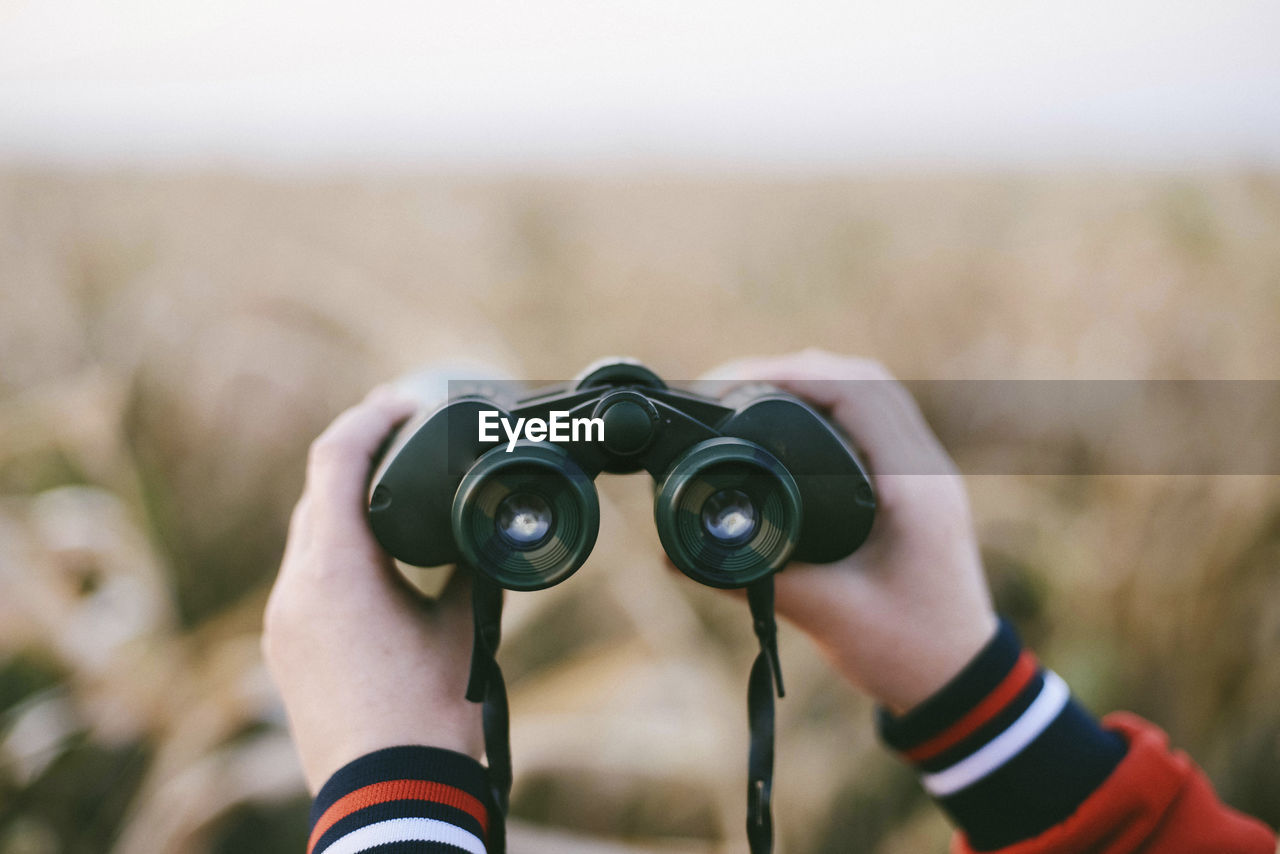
(169, 344)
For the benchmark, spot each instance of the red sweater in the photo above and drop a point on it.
(1005, 751)
(1156, 801)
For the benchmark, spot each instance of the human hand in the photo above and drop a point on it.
(910, 608)
(361, 661)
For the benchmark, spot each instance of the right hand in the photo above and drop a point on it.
(361, 661)
(904, 614)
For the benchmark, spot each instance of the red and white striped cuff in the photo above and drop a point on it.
(1003, 747)
(403, 795)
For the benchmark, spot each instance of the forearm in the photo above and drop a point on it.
(1022, 768)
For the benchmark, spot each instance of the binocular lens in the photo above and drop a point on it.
(728, 513)
(524, 519)
(729, 517)
(527, 519)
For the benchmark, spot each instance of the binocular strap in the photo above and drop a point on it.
(766, 678)
(486, 686)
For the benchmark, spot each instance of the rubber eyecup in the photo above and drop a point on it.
(727, 476)
(530, 476)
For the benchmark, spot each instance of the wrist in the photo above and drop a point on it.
(1002, 746)
(456, 730)
(935, 660)
(900, 664)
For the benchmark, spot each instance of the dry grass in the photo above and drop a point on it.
(168, 346)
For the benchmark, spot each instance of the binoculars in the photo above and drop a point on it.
(502, 479)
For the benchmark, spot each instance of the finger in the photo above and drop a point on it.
(881, 419)
(819, 372)
(866, 400)
(339, 460)
(299, 530)
(737, 370)
(299, 518)
(808, 364)
(811, 596)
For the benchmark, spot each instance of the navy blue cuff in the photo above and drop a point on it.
(412, 797)
(1003, 747)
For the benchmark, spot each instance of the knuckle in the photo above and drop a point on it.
(266, 645)
(838, 365)
(873, 369)
(270, 620)
(326, 450)
(276, 618)
(297, 519)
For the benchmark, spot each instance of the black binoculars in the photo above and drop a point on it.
(503, 480)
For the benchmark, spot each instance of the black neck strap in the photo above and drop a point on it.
(766, 678)
(486, 686)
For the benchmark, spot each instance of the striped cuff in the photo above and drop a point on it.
(1003, 747)
(401, 799)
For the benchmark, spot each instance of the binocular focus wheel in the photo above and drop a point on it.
(728, 513)
(528, 518)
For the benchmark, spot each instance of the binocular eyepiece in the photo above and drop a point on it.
(728, 512)
(528, 518)
(505, 481)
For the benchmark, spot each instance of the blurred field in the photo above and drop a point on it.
(170, 344)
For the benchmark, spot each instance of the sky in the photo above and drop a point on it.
(591, 83)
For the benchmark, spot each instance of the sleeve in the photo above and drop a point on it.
(404, 800)
(1022, 768)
